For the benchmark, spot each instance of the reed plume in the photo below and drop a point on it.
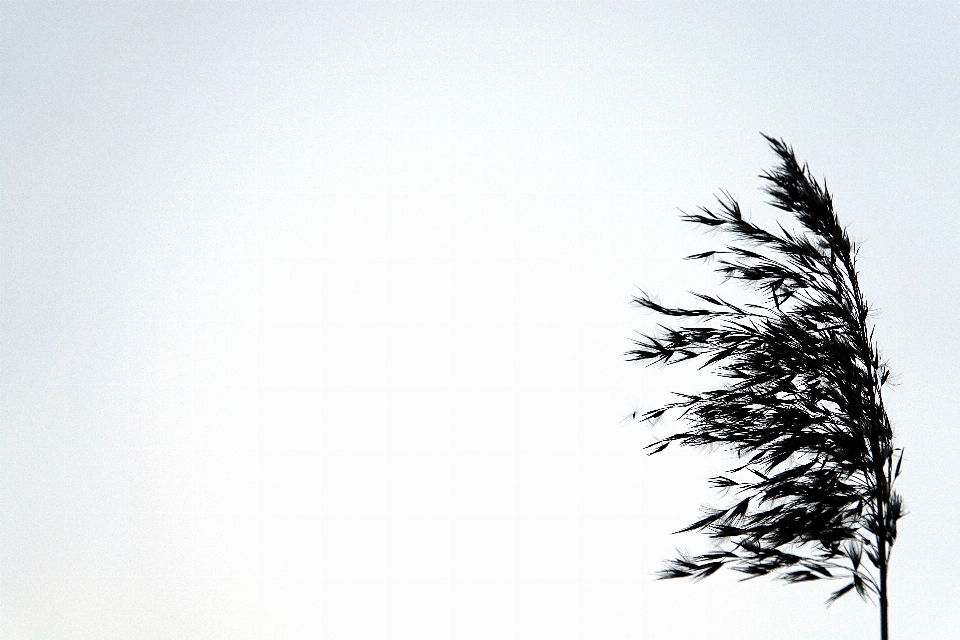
(800, 402)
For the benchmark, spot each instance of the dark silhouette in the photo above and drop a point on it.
(811, 494)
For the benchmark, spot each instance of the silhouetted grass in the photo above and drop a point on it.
(801, 403)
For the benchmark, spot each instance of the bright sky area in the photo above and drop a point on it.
(312, 315)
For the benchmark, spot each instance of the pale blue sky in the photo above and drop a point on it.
(312, 315)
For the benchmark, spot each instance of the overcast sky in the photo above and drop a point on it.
(312, 315)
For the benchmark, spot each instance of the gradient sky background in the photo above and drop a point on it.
(312, 315)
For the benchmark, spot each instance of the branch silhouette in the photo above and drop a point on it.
(801, 406)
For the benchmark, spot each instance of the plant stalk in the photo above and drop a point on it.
(883, 590)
